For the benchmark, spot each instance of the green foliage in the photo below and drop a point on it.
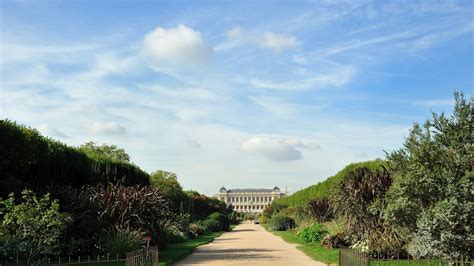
(212, 225)
(223, 219)
(175, 235)
(122, 240)
(104, 151)
(313, 233)
(167, 183)
(31, 160)
(334, 241)
(137, 208)
(202, 206)
(359, 203)
(428, 170)
(31, 227)
(320, 210)
(263, 219)
(315, 250)
(196, 229)
(325, 188)
(280, 222)
(445, 230)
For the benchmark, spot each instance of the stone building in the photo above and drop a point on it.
(249, 199)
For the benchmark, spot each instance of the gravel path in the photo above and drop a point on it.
(248, 244)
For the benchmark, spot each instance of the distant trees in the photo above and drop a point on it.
(111, 152)
(30, 227)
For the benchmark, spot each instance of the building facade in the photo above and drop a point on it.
(249, 199)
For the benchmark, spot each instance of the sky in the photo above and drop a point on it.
(237, 94)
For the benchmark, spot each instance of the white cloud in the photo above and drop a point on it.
(277, 106)
(276, 149)
(337, 77)
(106, 128)
(176, 46)
(51, 132)
(277, 42)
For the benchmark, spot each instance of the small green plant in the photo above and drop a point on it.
(175, 235)
(313, 233)
(280, 222)
(122, 240)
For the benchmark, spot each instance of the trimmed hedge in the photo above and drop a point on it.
(325, 188)
(29, 159)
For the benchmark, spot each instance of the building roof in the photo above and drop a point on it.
(251, 190)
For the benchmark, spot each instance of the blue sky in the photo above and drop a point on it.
(237, 94)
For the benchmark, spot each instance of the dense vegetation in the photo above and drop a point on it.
(418, 201)
(60, 200)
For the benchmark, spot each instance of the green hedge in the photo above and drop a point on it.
(30, 159)
(325, 188)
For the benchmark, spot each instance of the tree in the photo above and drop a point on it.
(32, 227)
(446, 229)
(111, 152)
(167, 183)
(428, 170)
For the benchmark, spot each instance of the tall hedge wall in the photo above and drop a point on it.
(29, 159)
(325, 188)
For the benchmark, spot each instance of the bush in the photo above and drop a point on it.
(334, 241)
(174, 235)
(196, 229)
(313, 233)
(263, 219)
(320, 210)
(123, 240)
(212, 225)
(280, 222)
(223, 220)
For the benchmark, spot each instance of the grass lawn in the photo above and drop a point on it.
(177, 251)
(314, 250)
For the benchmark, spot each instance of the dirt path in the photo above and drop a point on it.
(248, 244)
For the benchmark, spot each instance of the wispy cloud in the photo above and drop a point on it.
(337, 77)
(105, 128)
(277, 42)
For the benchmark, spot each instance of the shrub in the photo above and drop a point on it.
(263, 219)
(280, 222)
(212, 225)
(312, 233)
(122, 240)
(174, 235)
(32, 226)
(223, 220)
(334, 241)
(320, 210)
(196, 229)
